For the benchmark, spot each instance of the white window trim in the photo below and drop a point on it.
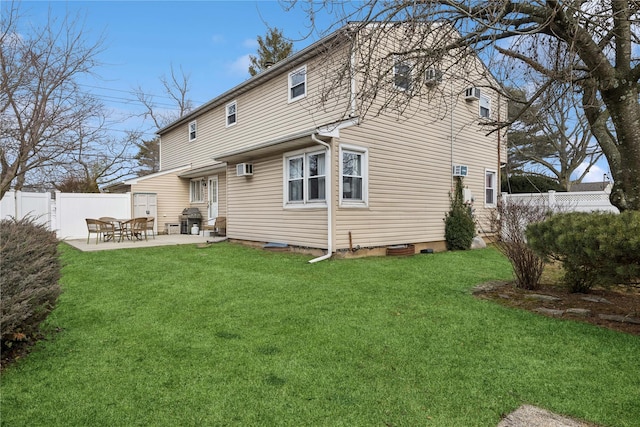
(290, 86)
(191, 192)
(305, 203)
(495, 188)
(226, 115)
(484, 99)
(347, 203)
(193, 123)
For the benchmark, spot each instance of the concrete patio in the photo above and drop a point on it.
(159, 240)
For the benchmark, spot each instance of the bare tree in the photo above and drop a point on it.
(552, 137)
(100, 159)
(176, 88)
(42, 107)
(598, 41)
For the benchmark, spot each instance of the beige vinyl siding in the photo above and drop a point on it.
(256, 211)
(172, 196)
(406, 190)
(409, 176)
(263, 114)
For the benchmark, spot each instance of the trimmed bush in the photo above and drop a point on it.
(459, 227)
(29, 280)
(594, 248)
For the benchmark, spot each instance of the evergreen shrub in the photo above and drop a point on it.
(30, 270)
(594, 248)
(459, 227)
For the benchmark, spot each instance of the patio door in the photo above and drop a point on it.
(213, 199)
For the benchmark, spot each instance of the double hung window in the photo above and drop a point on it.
(305, 178)
(402, 75)
(193, 127)
(232, 109)
(353, 176)
(490, 187)
(197, 191)
(298, 84)
(485, 106)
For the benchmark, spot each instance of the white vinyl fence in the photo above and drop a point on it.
(579, 201)
(67, 212)
(18, 204)
(73, 208)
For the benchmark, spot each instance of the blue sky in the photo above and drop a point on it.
(210, 40)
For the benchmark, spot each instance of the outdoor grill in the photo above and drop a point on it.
(189, 217)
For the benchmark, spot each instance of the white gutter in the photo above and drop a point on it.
(329, 198)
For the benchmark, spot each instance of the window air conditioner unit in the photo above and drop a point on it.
(432, 76)
(244, 169)
(472, 94)
(460, 170)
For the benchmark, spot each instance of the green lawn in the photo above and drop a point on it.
(229, 335)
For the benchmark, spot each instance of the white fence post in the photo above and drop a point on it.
(552, 200)
(18, 205)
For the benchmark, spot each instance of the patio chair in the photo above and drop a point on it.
(150, 221)
(102, 229)
(117, 225)
(135, 229)
(221, 226)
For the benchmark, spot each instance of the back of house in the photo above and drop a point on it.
(345, 147)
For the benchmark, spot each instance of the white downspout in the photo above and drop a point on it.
(329, 204)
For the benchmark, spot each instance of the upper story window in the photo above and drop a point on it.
(490, 187)
(196, 193)
(305, 178)
(298, 84)
(485, 106)
(402, 75)
(193, 128)
(232, 111)
(353, 176)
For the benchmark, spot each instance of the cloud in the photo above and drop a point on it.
(595, 174)
(239, 65)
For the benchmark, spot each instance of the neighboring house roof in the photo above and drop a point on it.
(118, 187)
(591, 186)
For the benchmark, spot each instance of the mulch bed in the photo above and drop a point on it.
(616, 308)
